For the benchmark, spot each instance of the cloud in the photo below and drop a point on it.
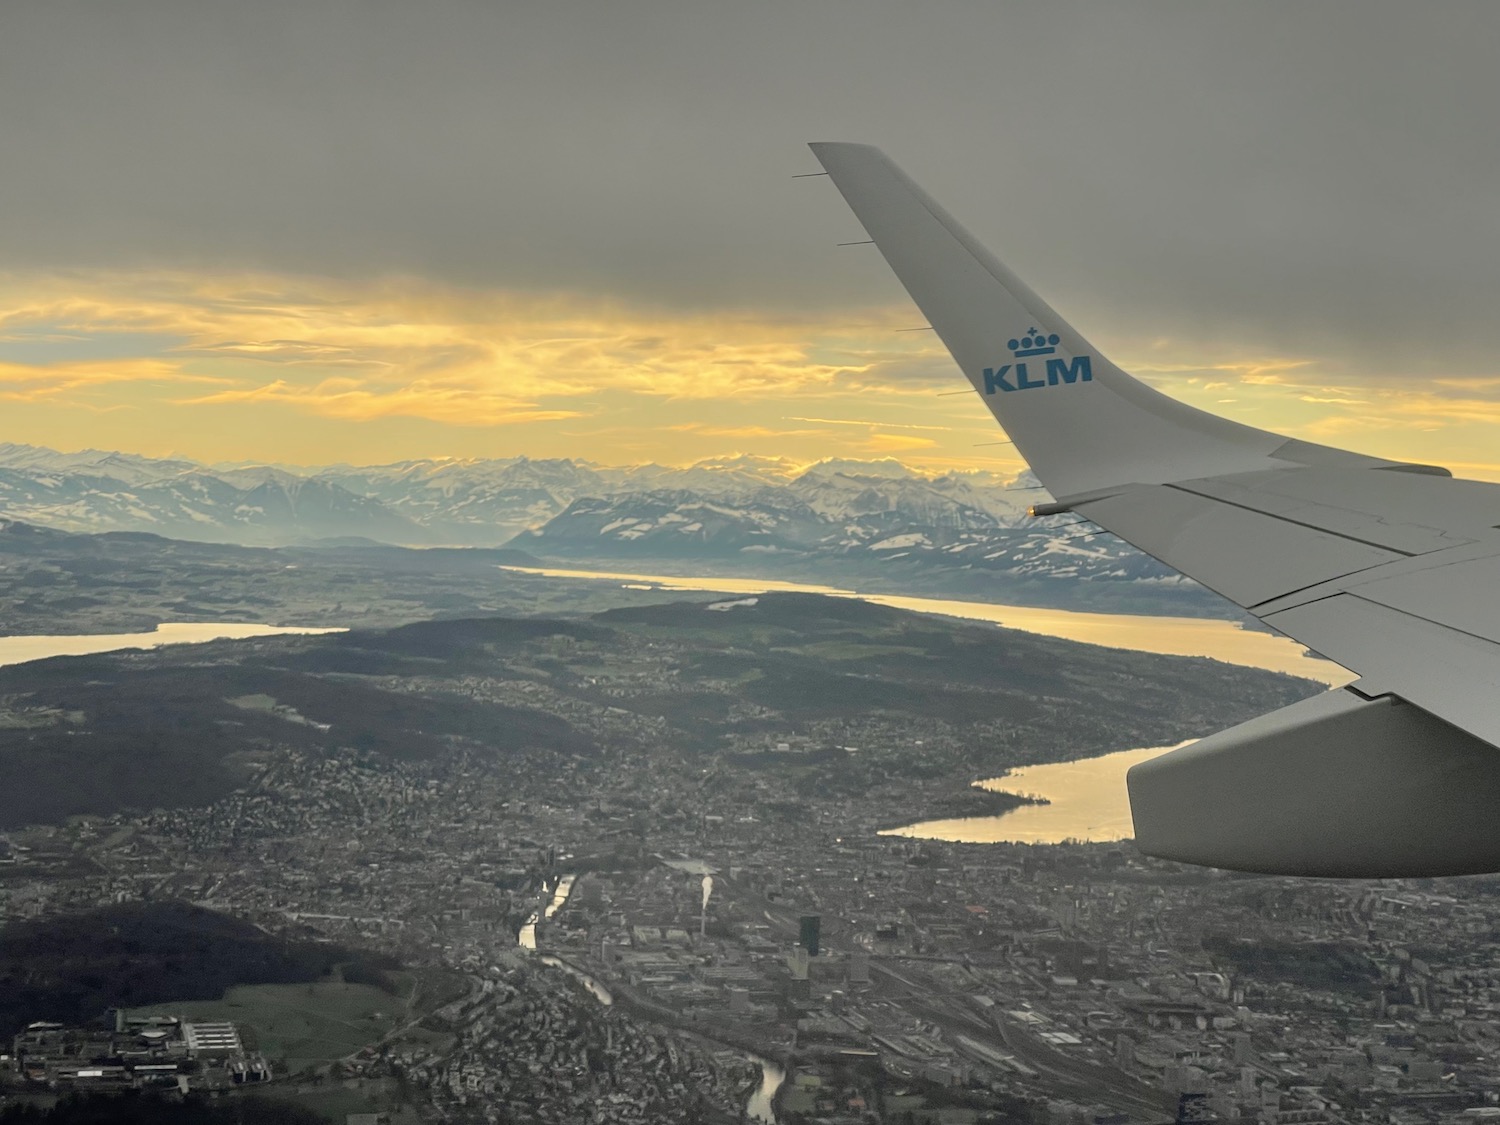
(1339, 209)
(752, 431)
(1387, 413)
(347, 399)
(1260, 371)
(413, 348)
(867, 422)
(897, 443)
(77, 381)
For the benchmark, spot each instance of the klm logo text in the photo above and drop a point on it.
(1016, 377)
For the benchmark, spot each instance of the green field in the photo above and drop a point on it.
(849, 650)
(337, 1103)
(304, 1024)
(897, 1105)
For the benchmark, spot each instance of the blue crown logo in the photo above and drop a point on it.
(1034, 342)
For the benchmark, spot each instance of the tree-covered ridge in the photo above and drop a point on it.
(71, 968)
(140, 1108)
(185, 726)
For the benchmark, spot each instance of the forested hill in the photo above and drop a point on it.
(72, 967)
(139, 1108)
(189, 724)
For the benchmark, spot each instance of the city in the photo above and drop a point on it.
(649, 934)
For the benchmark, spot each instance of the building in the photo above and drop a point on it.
(810, 932)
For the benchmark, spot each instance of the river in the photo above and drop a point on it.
(771, 1074)
(771, 1078)
(1173, 636)
(526, 939)
(18, 650)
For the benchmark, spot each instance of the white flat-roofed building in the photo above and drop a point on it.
(212, 1039)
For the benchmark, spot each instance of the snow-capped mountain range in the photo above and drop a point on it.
(743, 509)
(457, 502)
(103, 491)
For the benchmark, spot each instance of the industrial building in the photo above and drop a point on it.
(126, 1050)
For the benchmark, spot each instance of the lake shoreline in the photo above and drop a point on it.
(975, 802)
(1084, 800)
(24, 648)
(1167, 596)
(1195, 637)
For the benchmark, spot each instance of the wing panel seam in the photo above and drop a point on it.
(1313, 586)
(1309, 526)
(1419, 617)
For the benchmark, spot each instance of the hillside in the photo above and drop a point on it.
(70, 968)
(158, 1109)
(55, 582)
(705, 680)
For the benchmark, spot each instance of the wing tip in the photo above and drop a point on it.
(820, 147)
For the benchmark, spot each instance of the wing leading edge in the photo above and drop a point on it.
(1383, 566)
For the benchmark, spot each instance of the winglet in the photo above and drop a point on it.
(1085, 427)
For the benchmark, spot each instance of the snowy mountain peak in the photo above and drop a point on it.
(887, 467)
(485, 501)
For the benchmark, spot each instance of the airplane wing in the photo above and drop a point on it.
(1387, 568)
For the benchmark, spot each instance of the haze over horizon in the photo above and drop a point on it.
(21, 452)
(365, 233)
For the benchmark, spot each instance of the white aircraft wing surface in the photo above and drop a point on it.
(1388, 568)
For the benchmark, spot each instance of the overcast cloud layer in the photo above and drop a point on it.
(373, 230)
(1325, 177)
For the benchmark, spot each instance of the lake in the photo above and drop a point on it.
(1173, 636)
(18, 650)
(1089, 803)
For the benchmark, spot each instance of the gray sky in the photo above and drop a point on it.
(1323, 177)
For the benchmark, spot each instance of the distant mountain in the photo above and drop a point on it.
(474, 502)
(470, 502)
(128, 468)
(675, 523)
(849, 467)
(833, 526)
(834, 520)
(183, 501)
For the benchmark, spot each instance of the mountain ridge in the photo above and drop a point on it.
(426, 501)
(835, 520)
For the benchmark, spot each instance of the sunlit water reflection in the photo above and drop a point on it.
(771, 1078)
(1175, 636)
(526, 939)
(1089, 803)
(18, 650)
